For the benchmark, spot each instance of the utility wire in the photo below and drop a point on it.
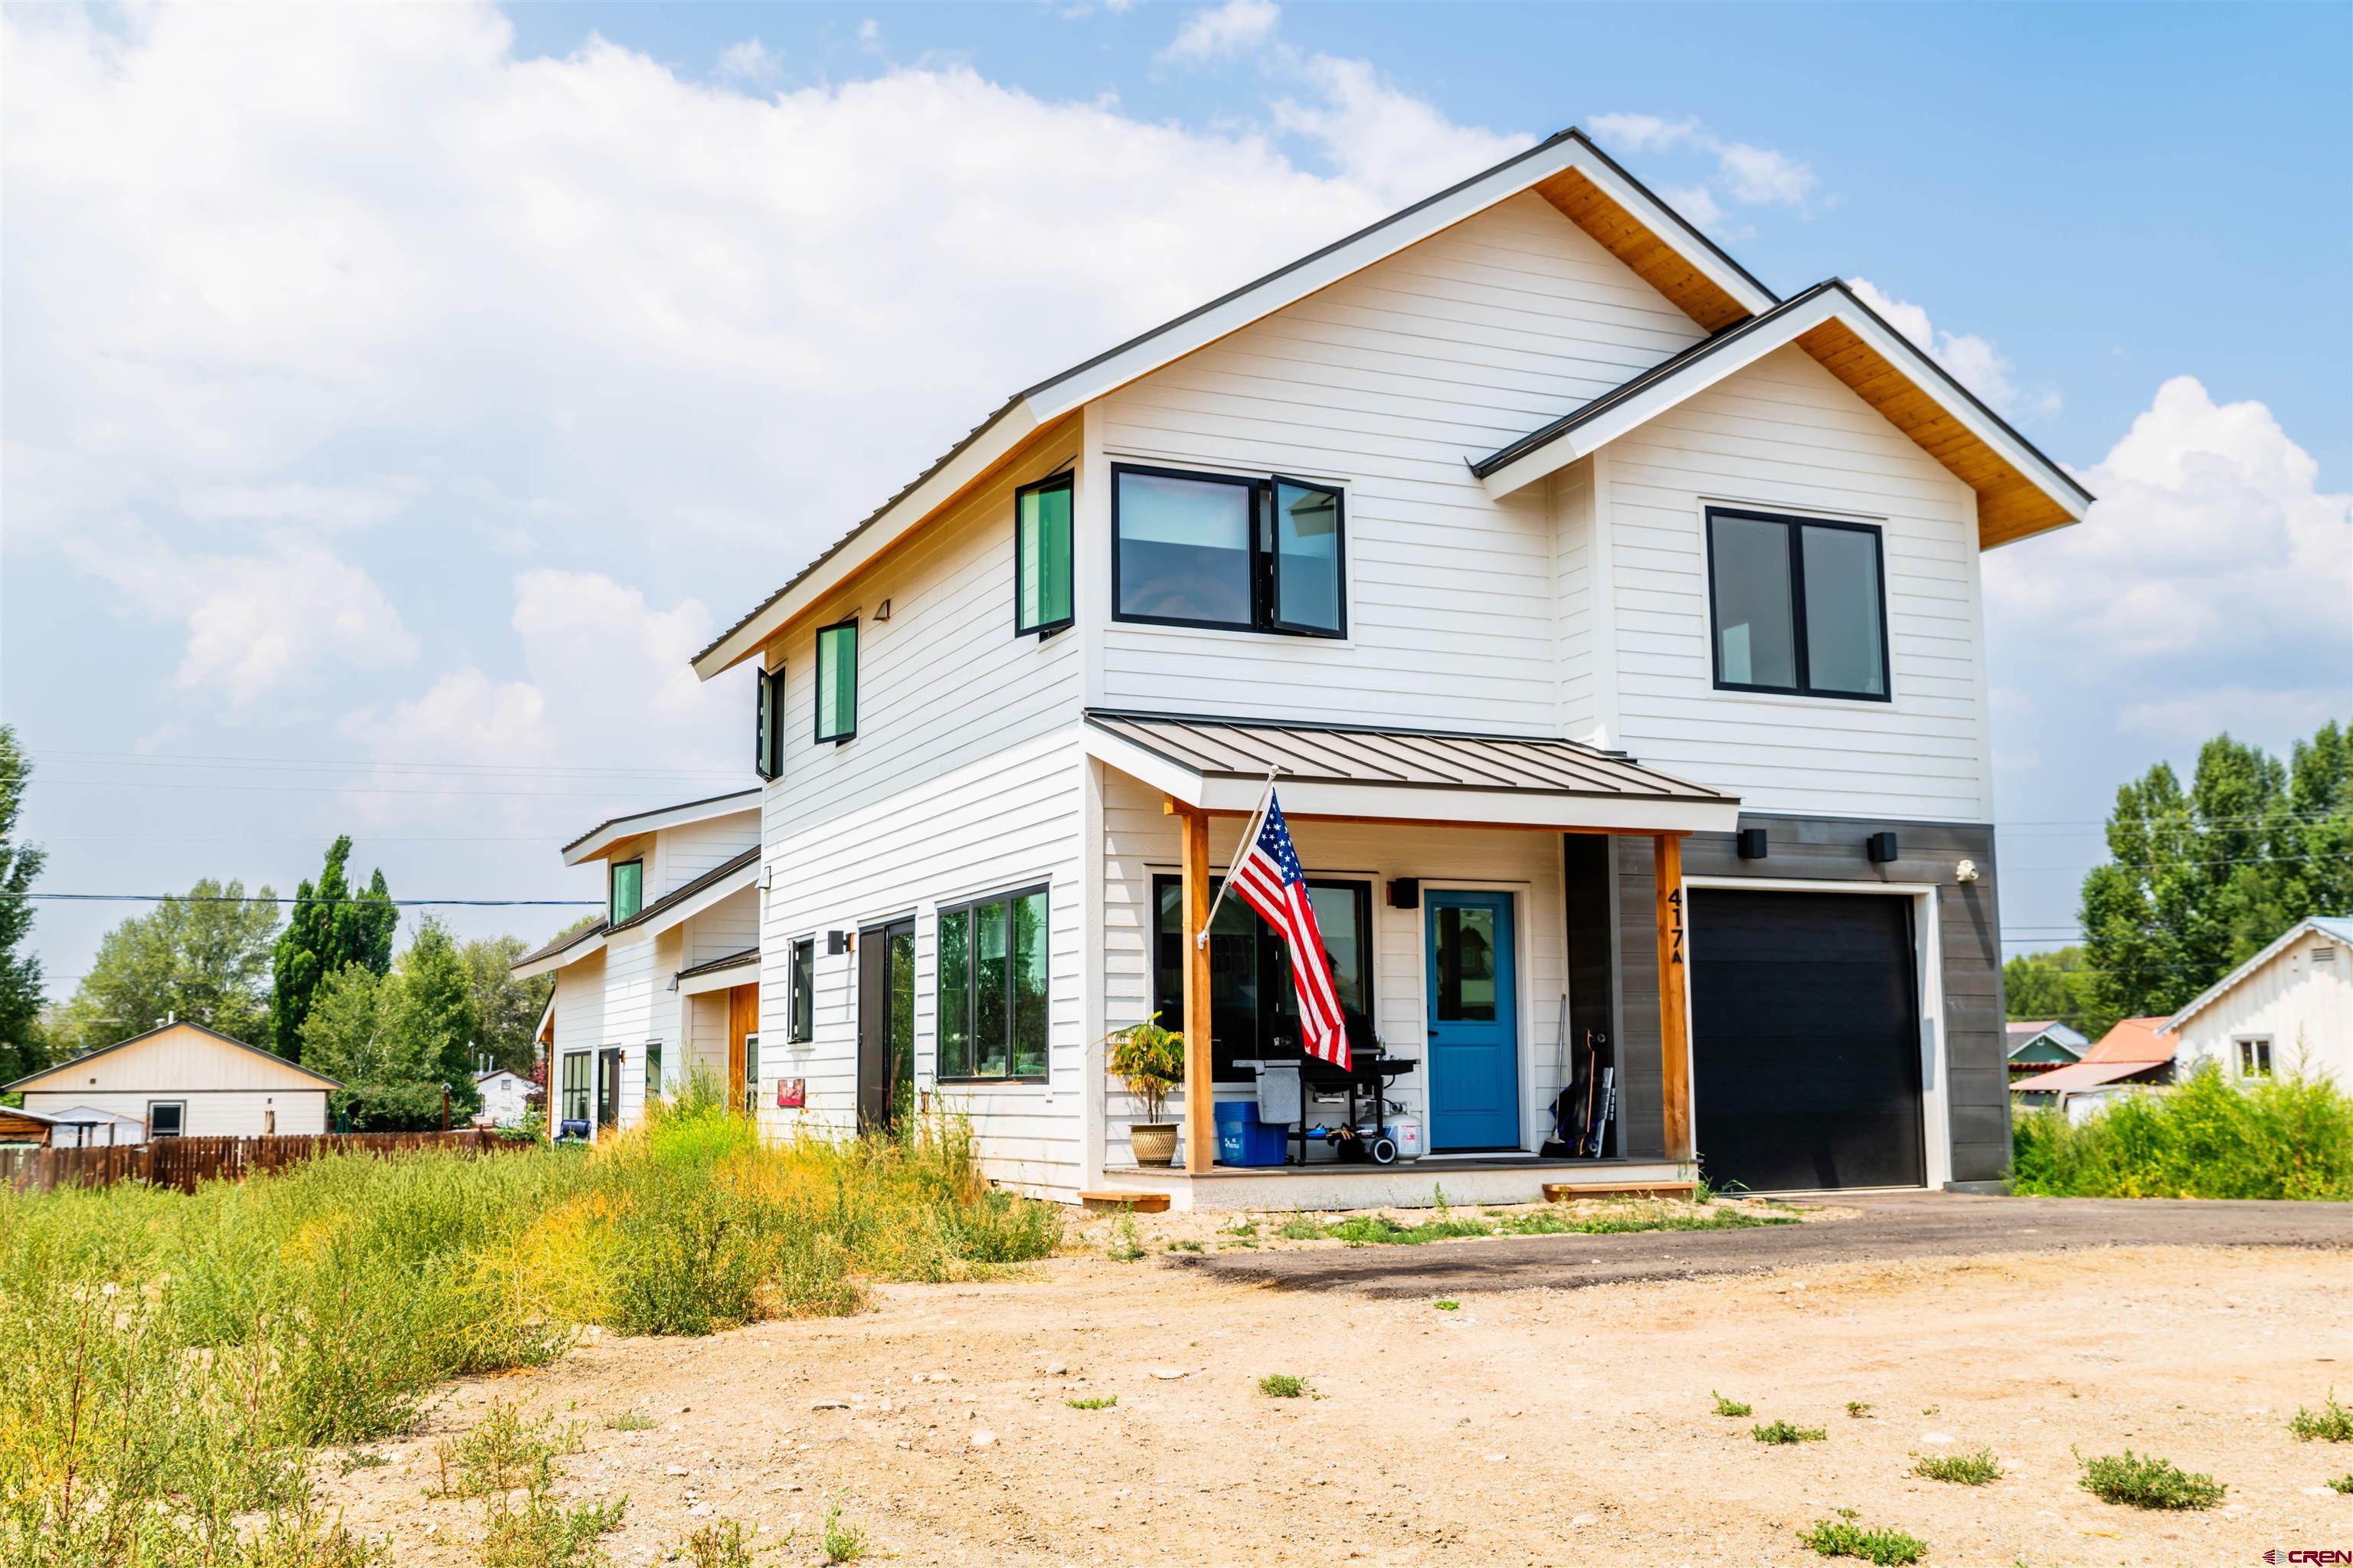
(226, 898)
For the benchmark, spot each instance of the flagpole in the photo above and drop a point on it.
(1249, 836)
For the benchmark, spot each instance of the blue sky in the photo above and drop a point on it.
(396, 397)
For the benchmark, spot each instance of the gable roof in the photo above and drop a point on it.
(568, 947)
(32, 1081)
(2131, 1040)
(2078, 1077)
(2019, 491)
(730, 876)
(1584, 184)
(2337, 929)
(612, 830)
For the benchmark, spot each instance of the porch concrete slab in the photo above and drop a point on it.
(1415, 1185)
(1891, 1227)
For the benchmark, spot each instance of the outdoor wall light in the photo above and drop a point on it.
(1879, 847)
(1967, 871)
(835, 944)
(883, 610)
(1752, 843)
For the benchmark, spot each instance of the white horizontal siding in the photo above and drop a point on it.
(1386, 383)
(1785, 433)
(684, 852)
(2299, 1000)
(221, 1113)
(728, 927)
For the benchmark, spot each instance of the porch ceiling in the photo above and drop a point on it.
(1403, 775)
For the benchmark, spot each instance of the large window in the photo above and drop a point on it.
(801, 1012)
(1206, 549)
(992, 989)
(627, 889)
(768, 741)
(837, 681)
(575, 1086)
(1799, 605)
(1253, 1006)
(1041, 557)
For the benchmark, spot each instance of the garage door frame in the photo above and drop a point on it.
(1927, 980)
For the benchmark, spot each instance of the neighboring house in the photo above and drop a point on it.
(2037, 1047)
(77, 1127)
(666, 982)
(2287, 1009)
(1607, 617)
(182, 1080)
(2131, 1056)
(506, 1095)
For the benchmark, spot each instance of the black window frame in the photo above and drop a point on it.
(1264, 564)
(652, 1087)
(768, 723)
(586, 1090)
(1041, 630)
(800, 992)
(179, 1129)
(817, 695)
(1794, 524)
(1008, 897)
(1171, 1007)
(612, 883)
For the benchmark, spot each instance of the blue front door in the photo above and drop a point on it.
(1473, 1065)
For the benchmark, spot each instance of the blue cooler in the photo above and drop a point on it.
(1242, 1139)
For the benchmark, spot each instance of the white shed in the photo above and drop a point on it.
(182, 1080)
(2288, 1009)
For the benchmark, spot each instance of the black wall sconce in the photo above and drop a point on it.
(835, 944)
(1405, 893)
(1879, 847)
(1752, 843)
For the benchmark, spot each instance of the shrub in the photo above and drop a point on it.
(1968, 1469)
(1844, 1538)
(1101, 1401)
(2342, 1485)
(843, 1544)
(1727, 1406)
(2207, 1138)
(1782, 1432)
(2148, 1482)
(1859, 1409)
(1282, 1385)
(719, 1544)
(2332, 1423)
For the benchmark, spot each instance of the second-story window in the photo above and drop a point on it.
(1041, 557)
(1798, 606)
(837, 681)
(768, 740)
(627, 888)
(1222, 550)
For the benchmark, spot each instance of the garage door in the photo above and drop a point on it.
(1805, 1039)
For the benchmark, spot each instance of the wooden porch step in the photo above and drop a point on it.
(1562, 1192)
(1133, 1203)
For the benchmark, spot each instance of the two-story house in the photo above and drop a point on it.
(666, 981)
(1611, 628)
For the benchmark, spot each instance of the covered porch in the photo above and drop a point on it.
(1504, 914)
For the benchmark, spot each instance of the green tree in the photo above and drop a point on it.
(506, 1010)
(2056, 984)
(357, 1032)
(330, 926)
(2202, 878)
(24, 1044)
(438, 1007)
(204, 957)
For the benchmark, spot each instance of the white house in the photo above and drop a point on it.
(180, 1080)
(666, 981)
(2289, 1008)
(1602, 615)
(506, 1095)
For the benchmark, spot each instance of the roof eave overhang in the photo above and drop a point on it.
(556, 960)
(685, 910)
(2214, 992)
(592, 844)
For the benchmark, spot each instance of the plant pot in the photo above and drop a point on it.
(1155, 1143)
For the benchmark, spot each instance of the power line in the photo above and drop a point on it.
(226, 898)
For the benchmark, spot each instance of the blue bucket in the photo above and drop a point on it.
(1242, 1139)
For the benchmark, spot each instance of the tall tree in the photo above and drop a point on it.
(438, 1006)
(506, 1010)
(357, 1032)
(2200, 879)
(24, 1046)
(204, 957)
(330, 926)
(2056, 984)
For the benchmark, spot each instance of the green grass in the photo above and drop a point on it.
(2146, 1481)
(2342, 1485)
(2332, 1423)
(2207, 1138)
(1859, 1409)
(1966, 1470)
(1282, 1385)
(1727, 1406)
(1844, 1538)
(1639, 1215)
(1448, 1306)
(1101, 1402)
(1782, 1432)
(176, 1359)
(842, 1542)
(721, 1544)
(629, 1421)
(1301, 1227)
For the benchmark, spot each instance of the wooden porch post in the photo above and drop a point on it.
(1201, 1130)
(1674, 1028)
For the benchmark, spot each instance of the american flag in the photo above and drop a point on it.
(1268, 878)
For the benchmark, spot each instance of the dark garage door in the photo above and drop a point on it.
(1805, 1039)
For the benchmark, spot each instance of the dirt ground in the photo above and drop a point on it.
(1538, 1426)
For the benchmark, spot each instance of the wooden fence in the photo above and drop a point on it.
(182, 1162)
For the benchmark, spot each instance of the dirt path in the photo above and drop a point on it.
(1526, 1426)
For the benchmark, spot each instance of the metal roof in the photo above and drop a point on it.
(678, 895)
(1413, 758)
(2078, 1077)
(713, 966)
(749, 796)
(32, 1080)
(568, 940)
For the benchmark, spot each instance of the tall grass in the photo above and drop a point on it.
(2208, 1138)
(176, 1359)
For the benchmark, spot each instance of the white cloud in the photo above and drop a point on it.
(1696, 202)
(749, 61)
(1748, 174)
(1221, 32)
(1645, 133)
(1383, 139)
(1973, 361)
(1759, 176)
(2244, 711)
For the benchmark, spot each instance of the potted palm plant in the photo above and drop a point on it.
(1150, 1061)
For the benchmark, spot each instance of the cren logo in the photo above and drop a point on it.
(2316, 1554)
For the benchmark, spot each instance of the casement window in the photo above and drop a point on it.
(1799, 605)
(837, 681)
(992, 988)
(801, 1004)
(768, 744)
(752, 1073)
(167, 1118)
(575, 1086)
(1041, 557)
(2255, 1056)
(1252, 1003)
(653, 1069)
(627, 887)
(1222, 550)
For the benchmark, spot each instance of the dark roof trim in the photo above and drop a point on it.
(678, 895)
(150, 1033)
(562, 944)
(660, 810)
(711, 965)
